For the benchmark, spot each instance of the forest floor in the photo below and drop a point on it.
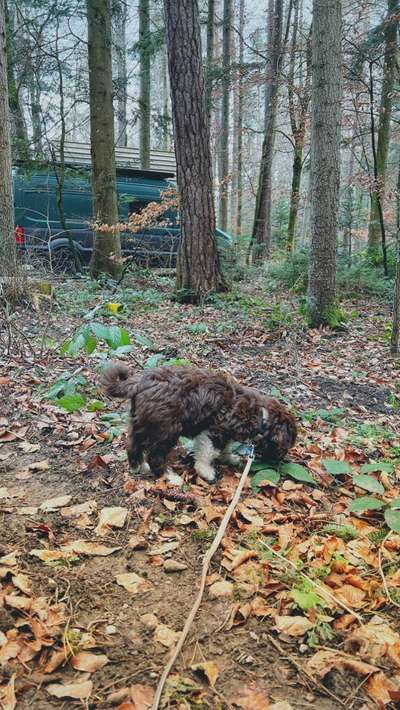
(301, 605)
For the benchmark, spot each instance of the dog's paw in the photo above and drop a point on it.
(205, 471)
(144, 469)
(230, 458)
(174, 478)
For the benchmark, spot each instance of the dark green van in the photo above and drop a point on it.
(38, 230)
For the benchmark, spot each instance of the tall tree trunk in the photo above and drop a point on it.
(166, 118)
(8, 256)
(198, 269)
(119, 12)
(144, 96)
(261, 234)
(385, 116)
(239, 183)
(106, 257)
(349, 203)
(19, 133)
(325, 157)
(297, 170)
(224, 142)
(395, 339)
(210, 55)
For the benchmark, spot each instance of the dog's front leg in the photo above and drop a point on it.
(227, 455)
(204, 455)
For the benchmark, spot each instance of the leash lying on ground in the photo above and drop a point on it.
(206, 563)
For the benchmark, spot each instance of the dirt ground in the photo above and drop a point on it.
(343, 387)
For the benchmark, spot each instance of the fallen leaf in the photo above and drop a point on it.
(374, 641)
(49, 556)
(281, 705)
(382, 689)
(220, 589)
(132, 582)
(56, 659)
(89, 662)
(74, 511)
(209, 669)
(163, 549)
(137, 542)
(174, 566)
(39, 465)
(80, 691)
(150, 621)
(292, 625)
(7, 694)
(22, 582)
(250, 697)
(28, 448)
(81, 547)
(166, 636)
(142, 696)
(242, 557)
(54, 503)
(322, 663)
(114, 517)
(9, 560)
(351, 596)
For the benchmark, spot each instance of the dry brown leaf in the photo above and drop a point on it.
(163, 549)
(323, 661)
(166, 636)
(39, 465)
(48, 556)
(82, 547)
(286, 534)
(382, 689)
(250, 697)
(351, 596)
(7, 694)
(150, 621)
(132, 582)
(374, 641)
(16, 601)
(114, 517)
(54, 503)
(242, 557)
(137, 542)
(292, 625)
(209, 669)
(22, 582)
(9, 560)
(89, 662)
(142, 696)
(9, 650)
(74, 511)
(80, 691)
(174, 566)
(220, 589)
(56, 659)
(281, 705)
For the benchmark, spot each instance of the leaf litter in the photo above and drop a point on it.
(347, 450)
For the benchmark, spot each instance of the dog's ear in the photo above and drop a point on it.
(285, 433)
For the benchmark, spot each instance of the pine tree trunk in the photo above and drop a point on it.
(239, 184)
(224, 142)
(325, 158)
(210, 55)
(144, 97)
(261, 235)
(385, 116)
(106, 257)
(395, 339)
(198, 270)
(119, 12)
(19, 133)
(8, 256)
(295, 194)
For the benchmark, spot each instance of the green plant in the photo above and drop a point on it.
(115, 423)
(305, 597)
(320, 633)
(65, 392)
(345, 532)
(280, 318)
(290, 272)
(88, 336)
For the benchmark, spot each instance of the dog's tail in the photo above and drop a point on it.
(117, 381)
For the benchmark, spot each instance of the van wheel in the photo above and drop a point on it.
(63, 261)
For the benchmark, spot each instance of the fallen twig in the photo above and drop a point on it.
(206, 563)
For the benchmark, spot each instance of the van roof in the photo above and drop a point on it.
(120, 171)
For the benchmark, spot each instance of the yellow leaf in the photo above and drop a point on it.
(114, 307)
(209, 669)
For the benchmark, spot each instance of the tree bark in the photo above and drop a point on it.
(210, 55)
(395, 339)
(106, 257)
(19, 133)
(325, 158)
(8, 256)
(224, 139)
(119, 12)
(385, 116)
(144, 96)
(261, 234)
(198, 269)
(239, 183)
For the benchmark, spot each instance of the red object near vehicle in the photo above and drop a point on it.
(19, 234)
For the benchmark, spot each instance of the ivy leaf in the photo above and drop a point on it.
(144, 340)
(368, 483)
(71, 402)
(395, 503)
(336, 468)
(266, 474)
(392, 519)
(365, 503)
(299, 473)
(378, 466)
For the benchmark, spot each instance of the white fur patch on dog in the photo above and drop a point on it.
(174, 478)
(144, 468)
(204, 455)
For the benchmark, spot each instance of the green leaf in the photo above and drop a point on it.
(100, 331)
(306, 600)
(90, 344)
(197, 328)
(336, 468)
(378, 466)
(154, 360)
(392, 519)
(299, 473)
(122, 349)
(395, 503)
(144, 340)
(74, 345)
(55, 390)
(368, 483)
(65, 346)
(266, 474)
(95, 405)
(365, 503)
(117, 337)
(72, 402)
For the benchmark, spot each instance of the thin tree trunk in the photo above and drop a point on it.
(106, 257)
(19, 133)
(144, 97)
(294, 195)
(119, 11)
(239, 186)
(8, 256)
(198, 270)
(224, 144)
(325, 158)
(349, 205)
(395, 339)
(166, 142)
(210, 56)
(261, 234)
(375, 236)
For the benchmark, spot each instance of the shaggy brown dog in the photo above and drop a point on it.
(209, 407)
